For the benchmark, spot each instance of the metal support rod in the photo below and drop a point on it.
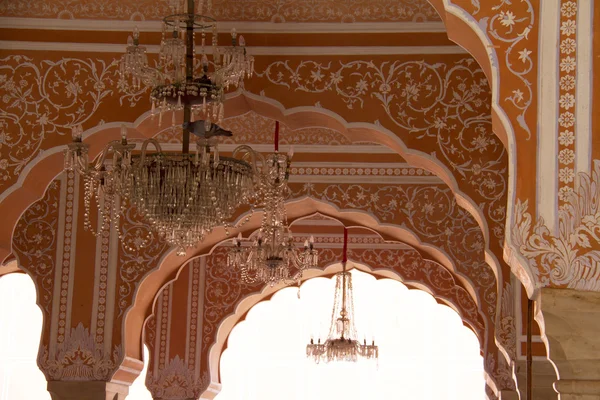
(344, 261)
(529, 356)
(189, 70)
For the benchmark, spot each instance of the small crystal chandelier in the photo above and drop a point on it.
(341, 343)
(175, 82)
(272, 257)
(182, 195)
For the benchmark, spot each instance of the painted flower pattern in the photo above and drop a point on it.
(566, 119)
(566, 156)
(566, 138)
(566, 175)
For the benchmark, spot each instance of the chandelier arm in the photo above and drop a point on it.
(253, 156)
(81, 166)
(110, 146)
(145, 146)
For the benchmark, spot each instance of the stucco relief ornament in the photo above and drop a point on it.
(176, 381)
(79, 358)
(569, 258)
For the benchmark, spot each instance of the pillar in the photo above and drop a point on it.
(85, 288)
(508, 395)
(90, 390)
(543, 379)
(570, 322)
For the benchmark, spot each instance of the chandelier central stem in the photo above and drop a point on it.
(343, 313)
(276, 139)
(189, 73)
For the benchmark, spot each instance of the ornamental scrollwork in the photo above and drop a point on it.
(247, 10)
(509, 25)
(446, 107)
(430, 212)
(35, 243)
(570, 257)
(41, 100)
(506, 330)
(140, 252)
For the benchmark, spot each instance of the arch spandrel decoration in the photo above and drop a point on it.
(213, 294)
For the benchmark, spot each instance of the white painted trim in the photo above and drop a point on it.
(534, 338)
(327, 164)
(77, 192)
(113, 266)
(241, 27)
(304, 148)
(200, 319)
(547, 129)
(255, 51)
(157, 334)
(169, 318)
(60, 234)
(316, 222)
(583, 90)
(97, 261)
(188, 313)
(366, 179)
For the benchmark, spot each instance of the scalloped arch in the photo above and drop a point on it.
(244, 305)
(39, 173)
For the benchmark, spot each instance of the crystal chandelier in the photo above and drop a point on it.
(272, 257)
(182, 195)
(341, 343)
(182, 79)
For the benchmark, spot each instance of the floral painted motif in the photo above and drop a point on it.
(571, 259)
(36, 241)
(45, 99)
(566, 99)
(444, 106)
(247, 10)
(430, 212)
(511, 27)
(140, 253)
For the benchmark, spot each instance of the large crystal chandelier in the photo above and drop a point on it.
(182, 195)
(273, 257)
(342, 343)
(183, 79)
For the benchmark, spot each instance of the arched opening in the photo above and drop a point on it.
(425, 351)
(21, 322)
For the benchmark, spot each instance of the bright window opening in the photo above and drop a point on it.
(425, 352)
(21, 328)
